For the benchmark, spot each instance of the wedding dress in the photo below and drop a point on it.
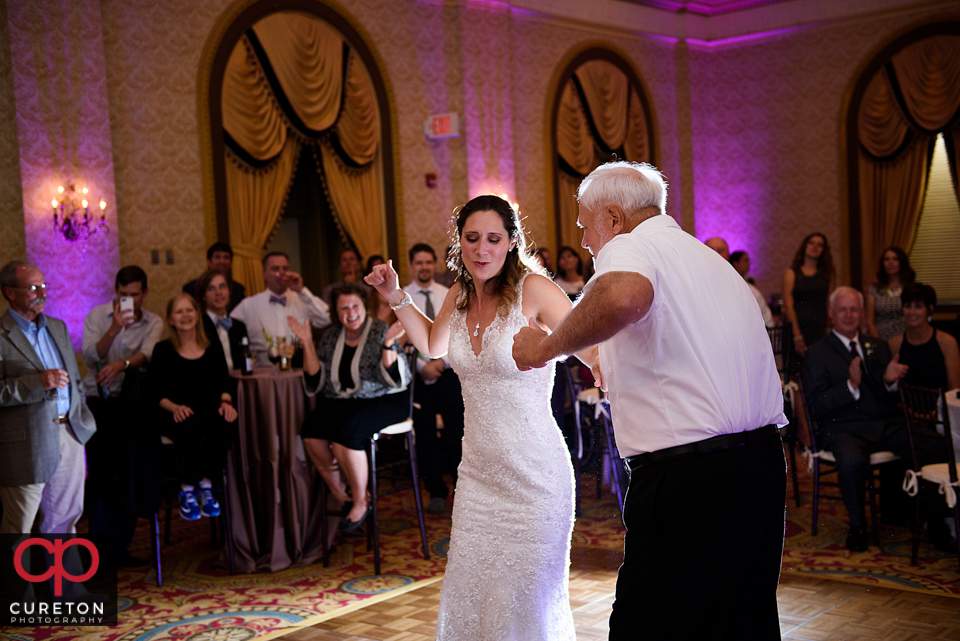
(509, 556)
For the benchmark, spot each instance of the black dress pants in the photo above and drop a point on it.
(703, 547)
(436, 456)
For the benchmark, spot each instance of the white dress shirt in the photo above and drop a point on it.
(764, 308)
(224, 336)
(437, 295)
(260, 315)
(891, 387)
(699, 363)
(140, 337)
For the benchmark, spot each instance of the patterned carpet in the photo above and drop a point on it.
(201, 602)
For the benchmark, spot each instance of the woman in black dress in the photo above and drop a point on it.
(806, 286)
(933, 356)
(361, 381)
(190, 384)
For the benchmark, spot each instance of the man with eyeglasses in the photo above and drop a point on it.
(44, 422)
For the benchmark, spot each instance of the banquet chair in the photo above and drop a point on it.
(928, 429)
(781, 339)
(824, 463)
(565, 388)
(403, 428)
(595, 399)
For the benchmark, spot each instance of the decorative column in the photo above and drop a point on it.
(63, 128)
(488, 104)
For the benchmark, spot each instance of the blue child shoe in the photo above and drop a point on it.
(189, 509)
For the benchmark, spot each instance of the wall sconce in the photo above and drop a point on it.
(71, 215)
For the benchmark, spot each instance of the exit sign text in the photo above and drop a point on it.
(442, 126)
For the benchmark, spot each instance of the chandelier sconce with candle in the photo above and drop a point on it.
(71, 215)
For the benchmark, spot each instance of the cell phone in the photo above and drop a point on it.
(126, 305)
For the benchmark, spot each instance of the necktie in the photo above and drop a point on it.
(225, 323)
(429, 311)
(279, 300)
(855, 354)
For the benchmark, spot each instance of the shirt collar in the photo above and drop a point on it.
(27, 326)
(846, 341)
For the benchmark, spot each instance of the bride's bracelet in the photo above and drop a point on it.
(406, 300)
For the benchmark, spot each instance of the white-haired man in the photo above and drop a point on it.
(696, 404)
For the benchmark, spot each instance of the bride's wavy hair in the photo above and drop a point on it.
(518, 261)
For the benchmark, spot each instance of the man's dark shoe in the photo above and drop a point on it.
(939, 534)
(857, 539)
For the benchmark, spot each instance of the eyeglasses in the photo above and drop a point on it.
(33, 289)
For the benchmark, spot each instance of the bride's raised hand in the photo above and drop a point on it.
(384, 279)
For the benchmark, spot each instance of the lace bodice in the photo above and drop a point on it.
(507, 568)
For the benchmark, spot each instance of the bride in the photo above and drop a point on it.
(508, 563)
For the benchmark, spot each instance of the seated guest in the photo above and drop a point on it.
(542, 256)
(718, 245)
(361, 381)
(445, 276)
(224, 333)
(350, 273)
(220, 258)
(190, 384)
(116, 341)
(741, 262)
(569, 272)
(436, 390)
(265, 314)
(851, 382)
(931, 355)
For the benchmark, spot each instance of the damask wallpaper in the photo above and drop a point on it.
(12, 239)
(748, 138)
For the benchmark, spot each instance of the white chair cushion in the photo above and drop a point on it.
(399, 428)
(936, 473)
(591, 396)
(165, 441)
(876, 458)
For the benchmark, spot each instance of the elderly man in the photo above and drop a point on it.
(220, 258)
(718, 245)
(44, 422)
(851, 386)
(265, 314)
(696, 403)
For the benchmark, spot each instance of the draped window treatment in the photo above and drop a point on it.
(333, 106)
(906, 104)
(600, 115)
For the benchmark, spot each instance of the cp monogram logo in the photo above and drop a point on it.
(56, 548)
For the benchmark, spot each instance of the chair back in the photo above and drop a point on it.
(808, 424)
(781, 339)
(411, 354)
(928, 427)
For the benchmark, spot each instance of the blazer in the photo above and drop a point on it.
(826, 368)
(235, 334)
(29, 435)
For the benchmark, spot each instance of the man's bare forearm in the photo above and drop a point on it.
(616, 300)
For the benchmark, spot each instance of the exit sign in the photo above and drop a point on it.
(442, 126)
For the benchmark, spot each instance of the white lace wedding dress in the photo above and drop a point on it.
(508, 564)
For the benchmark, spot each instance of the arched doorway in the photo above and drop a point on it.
(600, 113)
(896, 111)
(292, 86)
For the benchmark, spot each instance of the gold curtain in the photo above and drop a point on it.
(255, 200)
(892, 184)
(928, 73)
(250, 113)
(574, 140)
(606, 90)
(570, 234)
(892, 192)
(355, 198)
(358, 126)
(636, 146)
(307, 58)
(882, 127)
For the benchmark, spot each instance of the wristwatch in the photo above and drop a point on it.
(392, 348)
(126, 364)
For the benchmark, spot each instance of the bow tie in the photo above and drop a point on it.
(225, 323)
(279, 300)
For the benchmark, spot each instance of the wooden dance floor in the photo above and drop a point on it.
(810, 609)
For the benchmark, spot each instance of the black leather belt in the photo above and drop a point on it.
(722, 442)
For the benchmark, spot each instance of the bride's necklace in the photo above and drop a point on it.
(476, 330)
